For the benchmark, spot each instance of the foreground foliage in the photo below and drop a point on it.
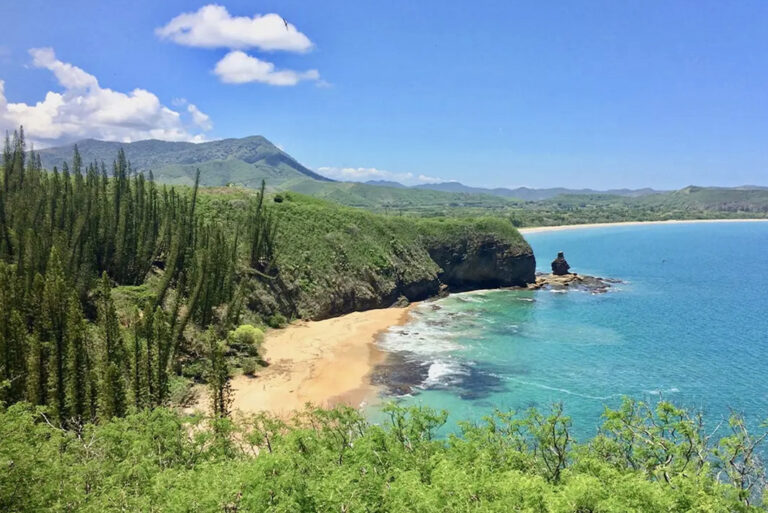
(644, 459)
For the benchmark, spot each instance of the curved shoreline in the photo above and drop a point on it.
(326, 363)
(563, 227)
(330, 362)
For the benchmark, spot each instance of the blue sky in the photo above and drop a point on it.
(490, 93)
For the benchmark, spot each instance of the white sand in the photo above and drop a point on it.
(324, 362)
(632, 223)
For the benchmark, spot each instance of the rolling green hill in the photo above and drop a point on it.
(395, 199)
(529, 194)
(245, 161)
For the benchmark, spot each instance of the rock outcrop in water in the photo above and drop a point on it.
(572, 281)
(560, 265)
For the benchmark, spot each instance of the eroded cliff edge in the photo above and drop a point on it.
(335, 260)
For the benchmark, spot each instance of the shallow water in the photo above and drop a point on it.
(689, 323)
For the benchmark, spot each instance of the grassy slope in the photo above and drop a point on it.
(325, 249)
(394, 199)
(688, 203)
(317, 238)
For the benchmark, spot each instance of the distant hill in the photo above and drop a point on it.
(243, 161)
(520, 193)
(387, 183)
(248, 161)
(528, 194)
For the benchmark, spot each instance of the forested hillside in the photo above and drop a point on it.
(68, 238)
(244, 162)
(116, 291)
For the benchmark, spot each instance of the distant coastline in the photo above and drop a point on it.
(539, 229)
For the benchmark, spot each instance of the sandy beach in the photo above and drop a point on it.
(324, 362)
(538, 229)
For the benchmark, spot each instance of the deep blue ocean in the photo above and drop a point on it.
(689, 324)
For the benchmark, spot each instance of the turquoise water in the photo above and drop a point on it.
(689, 323)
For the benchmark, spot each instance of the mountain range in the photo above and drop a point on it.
(529, 194)
(249, 160)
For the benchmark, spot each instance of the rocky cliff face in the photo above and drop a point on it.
(478, 262)
(483, 263)
(332, 260)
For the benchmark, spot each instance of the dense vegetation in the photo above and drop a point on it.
(337, 251)
(117, 292)
(644, 459)
(66, 238)
(688, 203)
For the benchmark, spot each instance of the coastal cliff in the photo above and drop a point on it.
(483, 261)
(335, 260)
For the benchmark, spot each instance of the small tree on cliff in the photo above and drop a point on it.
(218, 375)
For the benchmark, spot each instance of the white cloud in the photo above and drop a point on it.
(212, 26)
(364, 174)
(200, 118)
(84, 109)
(239, 68)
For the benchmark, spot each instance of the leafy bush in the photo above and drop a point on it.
(249, 366)
(277, 320)
(180, 391)
(246, 336)
(646, 459)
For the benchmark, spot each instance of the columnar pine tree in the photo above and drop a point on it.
(78, 367)
(53, 331)
(61, 343)
(112, 400)
(218, 376)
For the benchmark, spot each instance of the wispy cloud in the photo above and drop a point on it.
(212, 26)
(84, 109)
(364, 174)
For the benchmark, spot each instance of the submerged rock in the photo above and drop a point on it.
(560, 265)
(400, 375)
(572, 281)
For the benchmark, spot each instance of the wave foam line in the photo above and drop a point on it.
(563, 390)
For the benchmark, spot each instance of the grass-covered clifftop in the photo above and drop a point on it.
(332, 259)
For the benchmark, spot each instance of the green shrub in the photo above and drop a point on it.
(180, 391)
(194, 369)
(277, 320)
(645, 459)
(249, 366)
(246, 336)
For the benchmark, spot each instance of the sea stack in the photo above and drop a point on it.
(560, 265)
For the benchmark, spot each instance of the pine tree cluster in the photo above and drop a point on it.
(67, 237)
